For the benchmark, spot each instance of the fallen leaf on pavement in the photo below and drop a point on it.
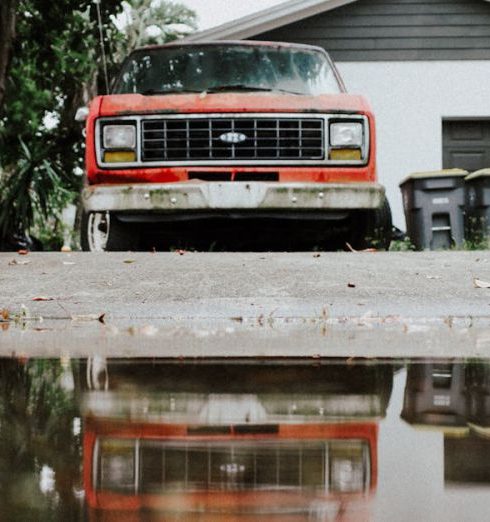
(22, 252)
(129, 261)
(481, 284)
(19, 262)
(148, 330)
(89, 317)
(367, 250)
(351, 285)
(4, 314)
(42, 298)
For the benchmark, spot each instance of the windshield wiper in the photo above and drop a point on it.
(151, 92)
(251, 88)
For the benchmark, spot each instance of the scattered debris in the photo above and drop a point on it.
(352, 249)
(181, 252)
(22, 252)
(129, 261)
(19, 262)
(69, 263)
(89, 317)
(65, 248)
(480, 284)
(43, 298)
(317, 255)
(237, 319)
(351, 285)
(433, 277)
(148, 330)
(449, 320)
(4, 315)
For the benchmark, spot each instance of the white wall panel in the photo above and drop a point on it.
(410, 99)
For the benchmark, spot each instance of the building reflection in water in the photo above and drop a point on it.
(219, 442)
(454, 397)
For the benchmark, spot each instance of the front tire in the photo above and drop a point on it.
(103, 232)
(373, 229)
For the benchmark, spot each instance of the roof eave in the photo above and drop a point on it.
(267, 20)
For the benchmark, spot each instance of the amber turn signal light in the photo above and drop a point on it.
(120, 157)
(346, 154)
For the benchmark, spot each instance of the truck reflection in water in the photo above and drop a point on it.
(225, 442)
(454, 397)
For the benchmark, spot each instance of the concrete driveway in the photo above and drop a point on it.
(250, 304)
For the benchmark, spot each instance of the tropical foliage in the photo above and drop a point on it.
(56, 67)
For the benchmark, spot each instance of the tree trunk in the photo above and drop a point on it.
(7, 35)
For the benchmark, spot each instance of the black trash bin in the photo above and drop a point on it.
(477, 222)
(434, 204)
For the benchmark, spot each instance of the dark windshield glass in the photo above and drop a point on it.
(222, 68)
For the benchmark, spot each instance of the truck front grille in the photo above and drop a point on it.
(233, 466)
(224, 139)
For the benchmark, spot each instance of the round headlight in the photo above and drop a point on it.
(119, 137)
(348, 134)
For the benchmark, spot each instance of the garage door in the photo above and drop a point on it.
(466, 144)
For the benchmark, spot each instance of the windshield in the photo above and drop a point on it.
(227, 68)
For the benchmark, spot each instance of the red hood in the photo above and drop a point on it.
(124, 104)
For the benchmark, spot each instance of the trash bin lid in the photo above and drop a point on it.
(482, 173)
(446, 173)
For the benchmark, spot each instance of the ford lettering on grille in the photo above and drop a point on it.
(233, 137)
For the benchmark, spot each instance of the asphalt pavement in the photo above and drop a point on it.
(186, 304)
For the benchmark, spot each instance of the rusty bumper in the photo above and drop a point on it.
(167, 197)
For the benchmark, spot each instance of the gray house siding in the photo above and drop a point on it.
(396, 30)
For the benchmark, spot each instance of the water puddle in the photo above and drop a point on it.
(100, 439)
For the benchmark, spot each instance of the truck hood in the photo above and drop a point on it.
(129, 104)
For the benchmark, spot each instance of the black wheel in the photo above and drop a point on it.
(103, 232)
(373, 228)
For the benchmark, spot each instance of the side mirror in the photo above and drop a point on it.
(81, 114)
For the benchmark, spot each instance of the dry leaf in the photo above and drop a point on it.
(351, 285)
(4, 314)
(42, 298)
(22, 252)
(366, 250)
(148, 330)
(129, 261)
(89, 317)
(19, 262)
(481, 284)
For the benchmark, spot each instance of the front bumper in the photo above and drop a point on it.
(172, 197)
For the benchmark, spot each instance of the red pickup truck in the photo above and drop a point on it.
(255, 133)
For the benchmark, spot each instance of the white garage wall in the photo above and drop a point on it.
(410, 99)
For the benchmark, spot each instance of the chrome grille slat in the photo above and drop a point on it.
(198, 139)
